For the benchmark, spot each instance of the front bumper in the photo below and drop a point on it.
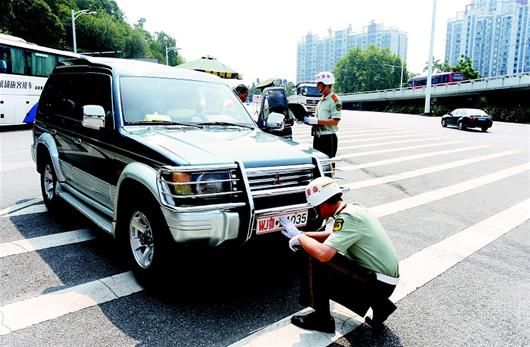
(217, 226)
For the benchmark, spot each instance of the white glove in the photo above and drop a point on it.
(289, 230)
(311, 120)
(294, 243)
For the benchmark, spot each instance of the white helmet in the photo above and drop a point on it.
(320, 190)
(325, 77)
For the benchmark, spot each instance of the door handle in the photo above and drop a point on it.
(77, 141)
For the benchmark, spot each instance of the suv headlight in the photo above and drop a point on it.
(189, 184)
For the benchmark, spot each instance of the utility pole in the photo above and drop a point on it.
(429, 73)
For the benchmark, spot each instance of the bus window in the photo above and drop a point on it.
(40, 64)
(13, 60)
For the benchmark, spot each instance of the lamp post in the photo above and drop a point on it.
(75, 15)
(427, 109)
(393, 66)
(172, 48)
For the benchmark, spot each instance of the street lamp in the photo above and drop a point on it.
(75, 15)
(393, 66)
(427, 109)
(172, 48)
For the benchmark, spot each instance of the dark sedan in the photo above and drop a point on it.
(468, 118)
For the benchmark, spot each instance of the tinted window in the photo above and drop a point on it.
(40, 64)
(11, 60)
(65, 95)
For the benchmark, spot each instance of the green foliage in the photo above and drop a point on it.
(48, 23)
(289, 87)
(33, 20)
(370, 69)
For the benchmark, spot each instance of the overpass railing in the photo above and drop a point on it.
(521, 80)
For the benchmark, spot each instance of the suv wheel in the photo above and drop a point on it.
(48, 185)
(146, 240)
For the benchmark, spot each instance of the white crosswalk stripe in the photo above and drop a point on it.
(398, 149)
(377, 144)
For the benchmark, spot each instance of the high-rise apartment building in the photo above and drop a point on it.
(315, 54)
(495, 34)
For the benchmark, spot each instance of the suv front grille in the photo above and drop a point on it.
(279, 185)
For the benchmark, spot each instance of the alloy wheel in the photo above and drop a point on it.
(49, 182)
(141, 239)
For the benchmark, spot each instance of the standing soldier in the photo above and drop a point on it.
(327, 116)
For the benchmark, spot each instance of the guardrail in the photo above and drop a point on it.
(515, 81)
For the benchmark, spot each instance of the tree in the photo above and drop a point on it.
(289, 88)
(465, 65)
(32, 20)
(437, 66)
(136, 45)
(370, 69)
(158, 49)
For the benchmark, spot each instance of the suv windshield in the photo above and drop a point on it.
(152, 100)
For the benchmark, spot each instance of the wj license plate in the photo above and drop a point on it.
(271, 224)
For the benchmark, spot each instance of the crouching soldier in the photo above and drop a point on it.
(352, 261)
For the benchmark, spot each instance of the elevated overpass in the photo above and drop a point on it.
(511, 83)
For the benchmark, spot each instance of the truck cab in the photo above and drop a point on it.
(305, 99)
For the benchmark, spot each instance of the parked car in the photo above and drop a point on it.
(468, 118)
(159, 156)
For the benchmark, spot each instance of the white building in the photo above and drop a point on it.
(495, 34)
(315, 54)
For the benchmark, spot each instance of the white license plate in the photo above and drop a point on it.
(271, 224)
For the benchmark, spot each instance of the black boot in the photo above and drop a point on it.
(381, 313)
(315, 321)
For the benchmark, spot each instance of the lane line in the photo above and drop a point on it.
(16, 316)
(416, 271)
(391, 143)
(407, 158)
(39, 309)
(32, 209)
(348, 134)
(427, 170)
(425, 198)
(398, 149)
(48, 241)
(10, 209)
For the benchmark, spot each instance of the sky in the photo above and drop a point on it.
(259, 38)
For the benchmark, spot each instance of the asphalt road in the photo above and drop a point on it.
(220, 299)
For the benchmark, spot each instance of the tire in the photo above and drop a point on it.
(146, 238)
(48, 186)
(461, 126)
(484, 129)
(444, 123)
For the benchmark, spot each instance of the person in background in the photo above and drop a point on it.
(352, 261)
(242, 92)
(327, 116)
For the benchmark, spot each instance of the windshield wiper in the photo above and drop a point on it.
(227, 124)
(163, 122)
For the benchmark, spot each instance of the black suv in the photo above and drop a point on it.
(157, 155)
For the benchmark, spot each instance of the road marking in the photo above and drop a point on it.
(341, 142)
(416, 271)
(398, 149)
(37, 208)
(390, 143)
(427, 170)
(17, 165)
(360, 133)
(22, 314)
(11, 209)
(438, 194)
(43, 242)
(16, 315)
(406, 158)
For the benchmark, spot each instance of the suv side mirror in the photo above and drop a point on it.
(275, 121)
(93, 117)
